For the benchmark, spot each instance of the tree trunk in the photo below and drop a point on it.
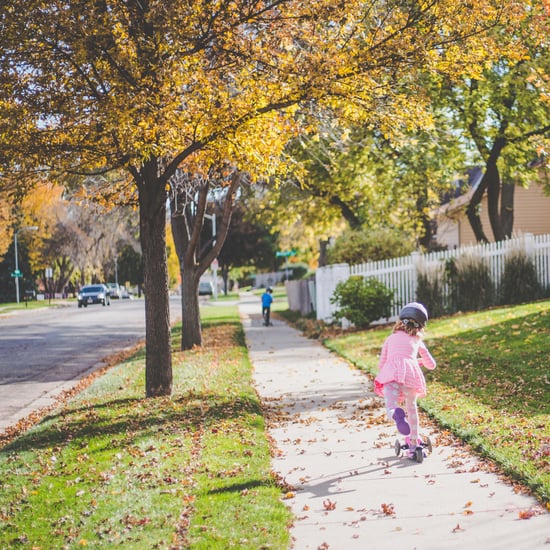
(473, 212)
(152, 214)
(493, 188)
(493, 195)
(224, 269)
(507, 209)
(187, 223)
(191, 332)
(182, 225)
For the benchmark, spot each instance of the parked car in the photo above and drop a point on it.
(206, 288)
(114, 290)
(94, 294)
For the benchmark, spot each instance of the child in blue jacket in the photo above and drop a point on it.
(267, 300)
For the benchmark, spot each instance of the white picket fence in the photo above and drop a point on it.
(400, 274)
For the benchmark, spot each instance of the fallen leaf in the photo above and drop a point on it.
(329, 504)
(526, 514)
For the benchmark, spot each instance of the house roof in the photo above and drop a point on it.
(461, 194)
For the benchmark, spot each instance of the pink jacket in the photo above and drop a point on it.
(399, 363)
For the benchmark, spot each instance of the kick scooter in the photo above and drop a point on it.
(420, 451)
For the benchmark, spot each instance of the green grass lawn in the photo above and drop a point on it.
(491, 386)
(112, 468)
(7, 307)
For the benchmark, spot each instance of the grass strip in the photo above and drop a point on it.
(491, 386)
(112, 468)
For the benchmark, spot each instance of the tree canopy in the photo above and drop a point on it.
(505, 114)
(356, 178)
(147, 86)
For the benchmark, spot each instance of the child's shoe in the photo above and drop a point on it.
(400, 421)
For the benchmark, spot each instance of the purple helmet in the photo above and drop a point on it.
(415, 311)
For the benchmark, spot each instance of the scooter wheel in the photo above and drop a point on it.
(419, 452)
(397, 447)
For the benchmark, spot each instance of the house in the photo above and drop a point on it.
(531, 213)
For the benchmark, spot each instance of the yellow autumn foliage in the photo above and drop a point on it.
(231, 79)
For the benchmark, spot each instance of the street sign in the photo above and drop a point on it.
(285, 254)
(17, 274)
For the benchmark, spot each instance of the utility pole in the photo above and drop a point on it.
(17, 274)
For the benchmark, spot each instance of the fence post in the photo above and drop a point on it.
(326, 279)
(529, 240)
(416, 258)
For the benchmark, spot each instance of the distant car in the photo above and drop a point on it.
(206, 288)
(124, 294)
(94, 294)
(114, 290)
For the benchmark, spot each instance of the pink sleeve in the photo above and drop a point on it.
(383, 355)
(427, 360)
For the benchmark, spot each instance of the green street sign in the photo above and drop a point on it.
(285, 254)
(17, 273)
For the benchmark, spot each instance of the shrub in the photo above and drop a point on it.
(362, 301)
(519, 281)
(450, 277)
(430, 290)
(473, 286)
(364, 245)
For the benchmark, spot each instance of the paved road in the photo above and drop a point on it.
(45, 351)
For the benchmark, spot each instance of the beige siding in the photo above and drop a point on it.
(532, 210)
(448, 233)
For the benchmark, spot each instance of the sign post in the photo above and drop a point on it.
(17, 274)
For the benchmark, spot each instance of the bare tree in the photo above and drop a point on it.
(189, 197)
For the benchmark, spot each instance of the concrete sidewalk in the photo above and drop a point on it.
(334, 447)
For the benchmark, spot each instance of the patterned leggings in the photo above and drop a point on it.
(393, 394)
